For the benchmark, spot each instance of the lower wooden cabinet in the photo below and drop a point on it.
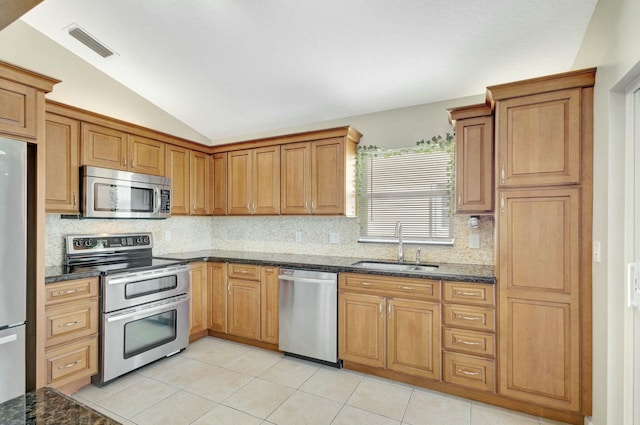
(71, 321)
(469, 371)
(198, 301)
(217, 297)
(243, 308)
(269, 304)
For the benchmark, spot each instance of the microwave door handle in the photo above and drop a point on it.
(156, 209)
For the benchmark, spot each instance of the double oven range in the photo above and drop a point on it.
(144, 306)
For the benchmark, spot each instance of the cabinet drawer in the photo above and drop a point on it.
(469, 371)
(71, 362)
(70, 321)
(469, 317)
(391, 286)
(243, 271)
(471, 342)
(71, 290)
(468, 293)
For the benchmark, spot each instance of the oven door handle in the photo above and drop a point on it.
(145, 310)
(152, 274)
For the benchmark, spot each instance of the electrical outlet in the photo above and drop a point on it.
(474, 241)
(298, 236)
(334, 237)
(167, 235)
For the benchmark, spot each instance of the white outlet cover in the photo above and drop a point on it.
(474, 241)
(334, 237)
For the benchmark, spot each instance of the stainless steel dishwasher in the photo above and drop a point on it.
(308, 315)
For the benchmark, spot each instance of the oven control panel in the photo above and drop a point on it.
(97, 243)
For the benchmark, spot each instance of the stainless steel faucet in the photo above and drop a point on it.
(399, 236)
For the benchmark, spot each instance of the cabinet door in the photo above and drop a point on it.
(217, 296)
(295, 195)
(361, 333)
(178, 171)
(198, 300)
(266, 181)
(539, 327)
(146, 156)
(200, 181)
(269, 304)
(413, 338)
(243, 308)
(61, 158)
(219, 184)
(474, 159)
(104, 147)
(328, 177)
(239, 182)
(538, 139)
(18, 112)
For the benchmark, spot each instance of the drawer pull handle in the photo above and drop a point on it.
(462, 341)
(467, 293)
(68, 365)
(408, 288)
(471, 318)
(380, 309)
(466, 372)
(366, 283)
(68, 291)
(69, 324)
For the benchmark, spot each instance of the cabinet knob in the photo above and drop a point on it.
(124, 161)
(502, 174)
(74, 200)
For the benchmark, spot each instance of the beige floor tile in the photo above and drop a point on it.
(181, 408)
(214, 351)
(290, 372)
(303, 408)
(254, 362)
(106, 412)
(432, 408)
(224, 415)
(485, 414)
(334, 384)
(381, 397)
(259, 398)
(136, 398)
(178, 371)
(219, 384)
(94, 394)
(350, 415)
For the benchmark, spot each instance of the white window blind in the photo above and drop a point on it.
(411, 187)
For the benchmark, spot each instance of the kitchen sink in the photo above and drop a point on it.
(400, 267)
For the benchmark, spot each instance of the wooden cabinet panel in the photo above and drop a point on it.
(243, 308)
(390, 286)
(217, 296)
(539, 139)
(295, 179)
(146, 156)
(218, 184)
(470, 317)
(71, 321)
(468, 293)
(104, 147)
(198, 300)
(266, 181)
(269, 304)
(239, 182)
(178, 164)
(469, 371)
(361, 329)
(470, 342)
(328, 177)
(18, 111)
(71, 362)
(244, 271)
(62, 136)
(200, 183)
(474, 160)
(71, 290)
(413, 338)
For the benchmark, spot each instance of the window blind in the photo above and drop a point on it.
(413, 188)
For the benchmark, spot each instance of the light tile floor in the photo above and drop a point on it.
(217, 382)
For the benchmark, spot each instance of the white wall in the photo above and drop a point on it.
(611, 43)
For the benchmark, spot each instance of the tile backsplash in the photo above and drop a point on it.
(272, 234)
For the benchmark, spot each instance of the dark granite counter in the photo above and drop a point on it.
(446, 271)
(48, 406)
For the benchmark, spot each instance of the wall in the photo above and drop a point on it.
(610, 43)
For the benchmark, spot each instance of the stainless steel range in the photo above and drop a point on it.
(144, 305)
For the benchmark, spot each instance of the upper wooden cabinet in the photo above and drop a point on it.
(474, 159)
(146, 156)
(178, 165)
(253, 181)
(218, 190)
(62, 137)
(199, 172)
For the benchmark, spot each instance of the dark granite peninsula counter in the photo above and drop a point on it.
(445, 271)
(49, 407)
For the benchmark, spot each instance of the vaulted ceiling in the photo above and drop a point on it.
(232, 67)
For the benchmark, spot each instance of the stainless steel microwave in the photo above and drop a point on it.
(110, 193)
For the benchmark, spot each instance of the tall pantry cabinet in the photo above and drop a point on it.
(543, 174)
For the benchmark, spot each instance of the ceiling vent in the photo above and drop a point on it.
(83, 37)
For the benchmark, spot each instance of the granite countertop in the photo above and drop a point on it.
(446, 271)
(48, 406)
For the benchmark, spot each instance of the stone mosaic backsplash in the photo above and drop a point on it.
(272, 234)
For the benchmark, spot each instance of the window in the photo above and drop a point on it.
(412, 186)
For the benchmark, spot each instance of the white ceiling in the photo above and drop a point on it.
(233, 67)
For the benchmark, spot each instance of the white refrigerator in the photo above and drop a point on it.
(13, 268)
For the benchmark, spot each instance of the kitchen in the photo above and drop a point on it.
(608, 400)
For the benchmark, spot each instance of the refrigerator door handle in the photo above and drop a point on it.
(8, 339)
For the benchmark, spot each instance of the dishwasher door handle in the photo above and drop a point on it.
(306, 280)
